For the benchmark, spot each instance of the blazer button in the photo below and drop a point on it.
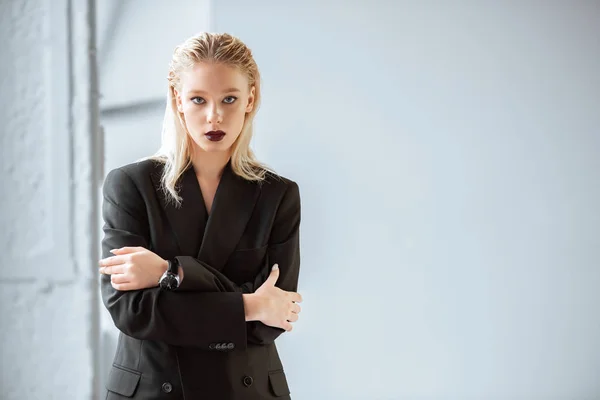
(167, 387)
(248, 381)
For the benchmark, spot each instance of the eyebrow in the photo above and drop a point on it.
(230, 90)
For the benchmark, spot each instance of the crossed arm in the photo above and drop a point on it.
(208, 307)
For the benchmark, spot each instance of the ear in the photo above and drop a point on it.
(178, 100)
(251, 98)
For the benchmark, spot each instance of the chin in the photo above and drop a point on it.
(214, 147)
(205, 145)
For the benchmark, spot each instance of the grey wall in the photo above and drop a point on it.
(49, 334)
(448, 160)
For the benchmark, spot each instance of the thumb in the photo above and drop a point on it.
(273, 276)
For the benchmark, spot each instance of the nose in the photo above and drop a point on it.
(214, 115)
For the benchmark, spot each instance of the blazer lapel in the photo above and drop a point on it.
(210, 238)
(188, 221)
(231, 210)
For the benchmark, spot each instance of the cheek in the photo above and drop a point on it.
(191, 111)
(237, 113)
(186, 106)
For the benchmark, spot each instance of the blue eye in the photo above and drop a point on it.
(198, 100)
(230, 99)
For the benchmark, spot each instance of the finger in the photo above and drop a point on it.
(287, 326)
(296, 308)
(273, 276)
(114, 260)
(296, 297)
(119, 278)
(292, 317)
(126, 250)
(114, 269)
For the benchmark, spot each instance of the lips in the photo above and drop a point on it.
(214, 136)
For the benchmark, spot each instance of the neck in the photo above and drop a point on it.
(210, 166)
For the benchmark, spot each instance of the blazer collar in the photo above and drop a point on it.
(210, 238)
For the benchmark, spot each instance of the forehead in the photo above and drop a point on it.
(213, 78)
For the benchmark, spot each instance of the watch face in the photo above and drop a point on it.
(169, 282)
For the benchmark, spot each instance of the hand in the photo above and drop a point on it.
(133, 268)
(276, 307)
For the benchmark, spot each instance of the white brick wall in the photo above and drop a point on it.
(48, 297)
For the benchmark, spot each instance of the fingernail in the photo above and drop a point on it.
(275, 266)
(113, 251)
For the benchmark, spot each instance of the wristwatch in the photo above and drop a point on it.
(170, 279)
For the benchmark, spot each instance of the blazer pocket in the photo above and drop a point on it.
(123, 381)
(278, 383)
(243, 265)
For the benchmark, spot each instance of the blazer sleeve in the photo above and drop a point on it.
(185, 319)
(283, 249)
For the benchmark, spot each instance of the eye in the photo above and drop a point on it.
(230, 99)
(198, 100)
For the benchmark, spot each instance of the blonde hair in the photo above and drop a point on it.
(176, 146)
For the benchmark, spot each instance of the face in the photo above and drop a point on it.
(214, 100)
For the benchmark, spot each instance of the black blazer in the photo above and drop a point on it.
(194, 343)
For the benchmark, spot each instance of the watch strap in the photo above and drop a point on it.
(173, 266)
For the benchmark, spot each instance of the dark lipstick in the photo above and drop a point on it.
(215, 136)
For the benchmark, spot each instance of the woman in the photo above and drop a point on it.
(190, 236)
